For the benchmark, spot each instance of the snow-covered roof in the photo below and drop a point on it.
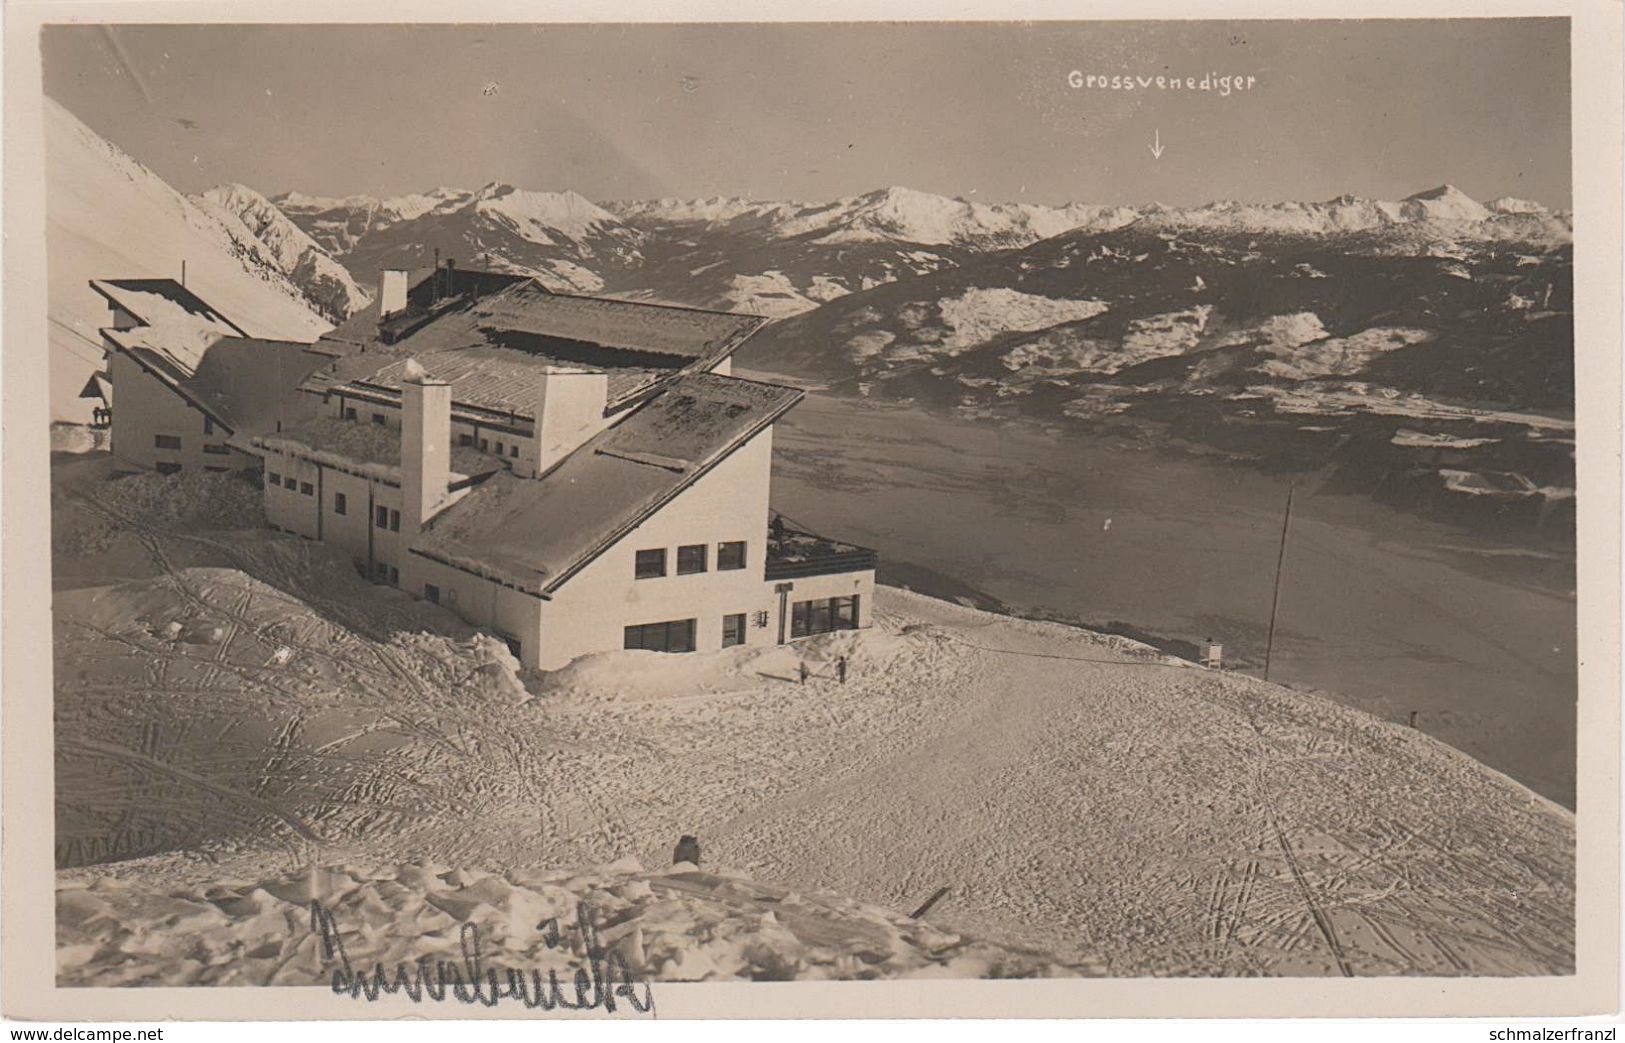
(536, 533)
(175, 323)
(492, 347)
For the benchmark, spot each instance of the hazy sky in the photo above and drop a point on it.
(814, 112)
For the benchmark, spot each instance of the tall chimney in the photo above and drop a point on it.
(425, 447)
(569, 408)
(391, 292)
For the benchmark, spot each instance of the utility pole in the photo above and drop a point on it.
(1280, 560)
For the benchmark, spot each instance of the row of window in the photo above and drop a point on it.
(384, 517)
(174, 441)
(291, 484)
(819, 616)
(691, 558)
(511, 449)
(170, 467)
(823, 616)
(350, 414)
(464, 439)
(677, 635)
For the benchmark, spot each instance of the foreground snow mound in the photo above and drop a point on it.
(195, 500)
(679, 925)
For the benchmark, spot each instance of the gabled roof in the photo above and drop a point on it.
(534, 534)
(492, 347)
(98, 386)
(176, 324)
(247, 384)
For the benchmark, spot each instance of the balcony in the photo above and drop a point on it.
(794, 553)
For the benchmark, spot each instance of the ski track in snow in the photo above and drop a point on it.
(1077, 794)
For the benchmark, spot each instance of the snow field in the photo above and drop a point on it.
(1077, 794)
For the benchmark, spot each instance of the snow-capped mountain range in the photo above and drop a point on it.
(561, 238)
(784, 257)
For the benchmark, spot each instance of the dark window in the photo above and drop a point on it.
(341, 504)
(513, 450)
(731, 555)
(167, 467)
(499, 449)
(307, 488)
(733, 630)
(216, 448)
(166, 441)
(394, 575)
(690, 559)
(651, 563)
(431, 593)
(513, 644)
(674, 636)
(349, 413)
(378, 418)
(382, 519)
(465, 439)
(216, 470)
(394, 521)
(824, 615)
(485, 445)
(274, 478)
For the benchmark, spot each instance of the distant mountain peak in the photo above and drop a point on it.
(1514, 205)
(490, 190)
(1444, 191)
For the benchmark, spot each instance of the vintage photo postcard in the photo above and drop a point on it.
(1066, 510)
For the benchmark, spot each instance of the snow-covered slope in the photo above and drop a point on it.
(324, 281)
(1295, 346)
(108, 216)
(236, 695)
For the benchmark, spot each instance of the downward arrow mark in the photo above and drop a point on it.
(1156, 146)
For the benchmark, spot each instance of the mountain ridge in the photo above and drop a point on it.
(784, 257)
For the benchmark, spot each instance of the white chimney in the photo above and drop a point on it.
(425, 447)
(391, 292)
(569, 410)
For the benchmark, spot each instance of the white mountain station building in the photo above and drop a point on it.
(574, 474)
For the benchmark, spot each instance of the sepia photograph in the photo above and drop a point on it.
(541, 513)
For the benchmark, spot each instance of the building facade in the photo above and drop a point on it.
(576, 475)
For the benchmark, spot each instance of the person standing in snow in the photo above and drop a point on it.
(840, 669)
(801, 669)
(688, 850)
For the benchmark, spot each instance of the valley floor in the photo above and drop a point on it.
(233, 705)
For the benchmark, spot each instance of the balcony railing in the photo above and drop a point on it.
(795, 553)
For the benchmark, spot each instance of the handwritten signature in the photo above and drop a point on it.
(604, 980)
